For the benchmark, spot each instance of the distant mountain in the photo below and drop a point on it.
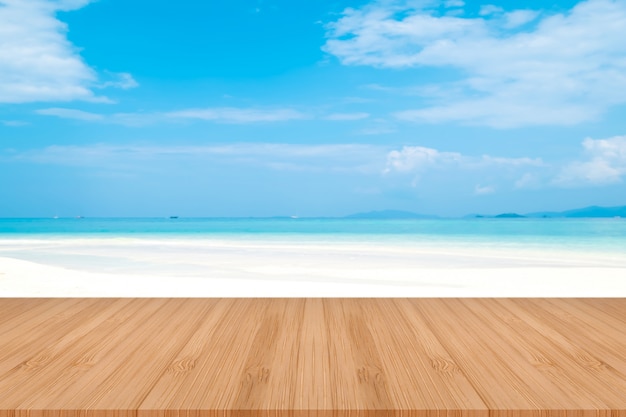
(509, 216)
(390, 214)
(586, 212)
(546, 214)
(595, 211)
(497, 216)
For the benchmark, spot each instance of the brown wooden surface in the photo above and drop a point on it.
(317, 357)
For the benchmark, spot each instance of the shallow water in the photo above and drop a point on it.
(597, 235)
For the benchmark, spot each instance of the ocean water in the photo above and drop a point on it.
(598, 235)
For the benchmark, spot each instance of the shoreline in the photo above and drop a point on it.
(20, 278)
(299, 267)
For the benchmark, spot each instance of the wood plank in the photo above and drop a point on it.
(312, 357)
(416, 355)
(313, 388)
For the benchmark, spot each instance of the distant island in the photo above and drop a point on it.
(586, 212)
(509, 216)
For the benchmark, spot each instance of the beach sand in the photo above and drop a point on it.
(237, 268)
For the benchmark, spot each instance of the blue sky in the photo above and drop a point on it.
(310, 108)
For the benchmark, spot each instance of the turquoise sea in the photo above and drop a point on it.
(596, 234)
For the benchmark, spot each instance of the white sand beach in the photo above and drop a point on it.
(118, 267)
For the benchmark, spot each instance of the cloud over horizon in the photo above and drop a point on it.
(274, 156)
(605, 164)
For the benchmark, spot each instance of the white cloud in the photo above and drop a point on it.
(219, 115)
(125, 119)
(14, 123)
(489, 9)
(418, 158)
(71, 114)
(347, 116)
(238, 115)
(366, 159)
(496, 112)
(424, 165)
(121, 80)
(605, 164)
(37, 62)
(529, 181)
(562, 69)
(513, 162)
(64, 5)
(454, 3)
(519, 17)
(483, 190)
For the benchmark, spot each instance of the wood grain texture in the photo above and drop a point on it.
(312, 357)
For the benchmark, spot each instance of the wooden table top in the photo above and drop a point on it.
(312, 357)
